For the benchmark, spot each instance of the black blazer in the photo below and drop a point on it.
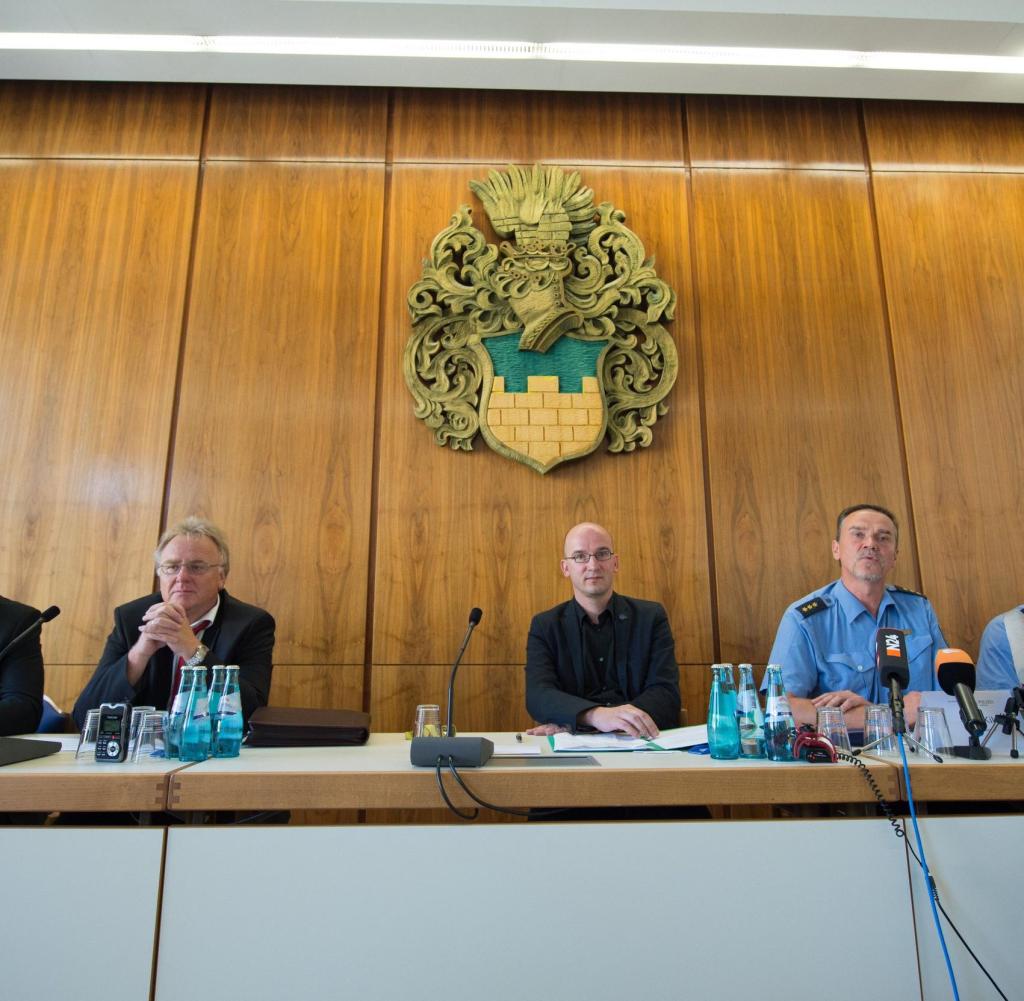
(644, 659)
(240, 634)
(21, 671)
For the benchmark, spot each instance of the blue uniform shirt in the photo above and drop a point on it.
(995, 661)
(826, 642)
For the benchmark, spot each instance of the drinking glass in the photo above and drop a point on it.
(878, 724)
(152, 739)
(932, 730)
(831, 724)
(427, 722)
(87, 738)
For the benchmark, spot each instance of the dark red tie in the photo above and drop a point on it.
(176, 681)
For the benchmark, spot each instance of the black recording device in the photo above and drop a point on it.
(112, 732)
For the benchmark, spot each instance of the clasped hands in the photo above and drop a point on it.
(166, 624)
(607, 719)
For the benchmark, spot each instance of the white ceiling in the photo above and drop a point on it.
(985, 27)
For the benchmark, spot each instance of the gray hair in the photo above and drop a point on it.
(196, 528)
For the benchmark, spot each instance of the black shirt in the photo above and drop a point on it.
(597, 641)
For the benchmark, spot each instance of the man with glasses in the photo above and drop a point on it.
(600, 661)
(193, 620)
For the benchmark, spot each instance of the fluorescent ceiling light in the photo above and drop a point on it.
(935, 62)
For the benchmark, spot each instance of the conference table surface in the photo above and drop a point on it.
(379, 775)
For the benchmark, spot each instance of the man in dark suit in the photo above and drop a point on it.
(600, 661)
(193, 620)
(21, 671)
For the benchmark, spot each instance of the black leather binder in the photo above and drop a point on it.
(274, 726)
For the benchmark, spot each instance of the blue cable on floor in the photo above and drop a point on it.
(927, 872)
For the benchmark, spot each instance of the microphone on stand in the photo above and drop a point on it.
(469, 752)
(893, 670)
(51, 613)
(955, 671)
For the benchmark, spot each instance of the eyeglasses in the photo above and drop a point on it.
(602, 556)
(196, 569)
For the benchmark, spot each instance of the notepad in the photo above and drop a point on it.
(668, 740)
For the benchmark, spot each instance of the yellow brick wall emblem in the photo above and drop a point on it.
(544, 423)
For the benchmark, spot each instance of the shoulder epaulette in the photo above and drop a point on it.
(906, 590)
(812, 607)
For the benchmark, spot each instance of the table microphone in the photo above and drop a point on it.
(51, 613)
(955, 671)
(893, 670)
(469, 752)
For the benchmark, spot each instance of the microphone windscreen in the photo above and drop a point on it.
(51, 613)
(891, 656)
(475, 616)
(954, 667)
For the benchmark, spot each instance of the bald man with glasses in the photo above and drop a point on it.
(600, 661)
(192, 620)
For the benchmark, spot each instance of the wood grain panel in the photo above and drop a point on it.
(481, 126)
(457, 530)
(773, 132)
(317, 686)
(926, 135)
(297, 123)
(64, 683)
(800, 404)
(953, 251)
(92, 278)
(275, 428)
(101, 119)
(490, 697)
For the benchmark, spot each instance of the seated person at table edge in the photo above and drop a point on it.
(21, 670)
(192, 620)
(600, 661)
(1001, 657)
(826, 640)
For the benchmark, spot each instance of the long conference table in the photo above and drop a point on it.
(690, 908)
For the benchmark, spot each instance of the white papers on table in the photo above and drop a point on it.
(667, 740)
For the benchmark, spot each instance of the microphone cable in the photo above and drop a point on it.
(923, 862)
(511, 811)
(900, 832)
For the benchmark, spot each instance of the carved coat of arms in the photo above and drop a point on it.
(550, 344)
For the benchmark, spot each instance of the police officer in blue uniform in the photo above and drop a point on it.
(996, 667)
(826, 640)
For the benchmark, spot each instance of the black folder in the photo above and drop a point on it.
(15, 749)
(273, 726)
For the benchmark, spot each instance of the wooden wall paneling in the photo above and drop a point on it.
(275, 427)
(487, 696)
(495, 126)
(940, 135)
(800, 404)
(729, 131)
(318, 686)
(64, 682)
(259, 122)
(953, 252)
(462, 529)
(93, 259)
(71, 119)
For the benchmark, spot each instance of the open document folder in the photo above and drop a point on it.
(667, 740)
